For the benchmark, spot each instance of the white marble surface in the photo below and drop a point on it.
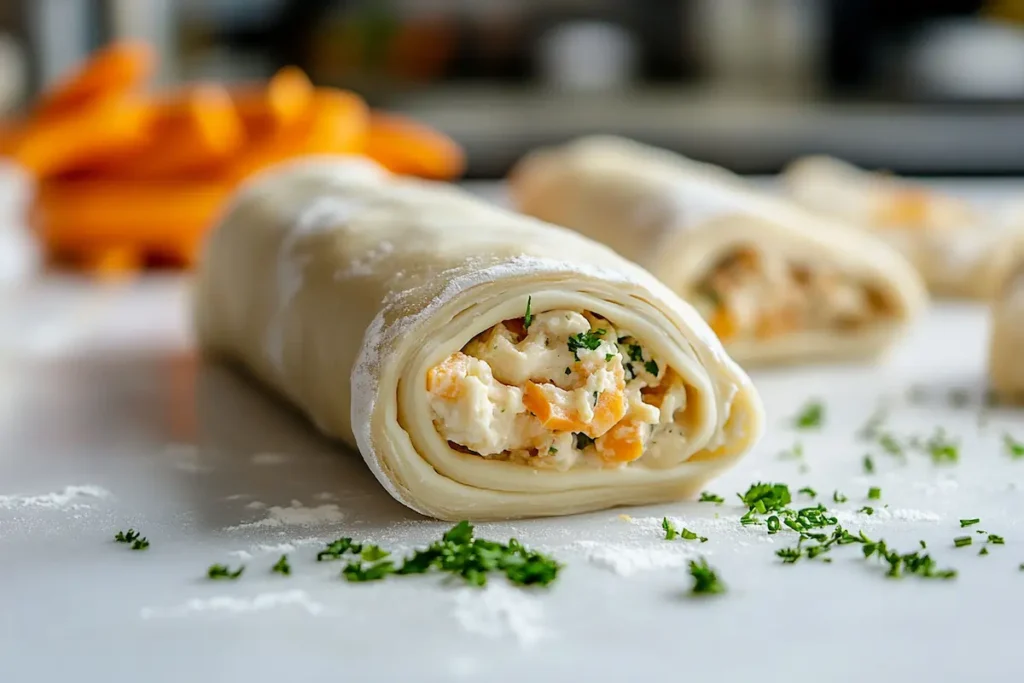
(100, 387)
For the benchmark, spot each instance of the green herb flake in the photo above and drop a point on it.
(140, 543)
(867, 510)
(1014, 448)
(869, 465)
(568, 371)
(126, 536)
(837, 497)
(220, 571)
(552, 450)
(585, 340)
(812, 416)
(773, 524)
(356, 571)
(762, 497)
(942, 448)
(608, 357)
(636, 353)
(651, 367)
(969, 522)
(335, 549)
(996, 540)
(528, 318)
(961, 541)
(890, 444)
(983, 551)
(670, 529)
(582, 441)
(282, 567)
(808, 491)
(874, 493)
(705, 579)
(708, 497)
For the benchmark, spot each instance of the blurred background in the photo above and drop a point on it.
(927, 87)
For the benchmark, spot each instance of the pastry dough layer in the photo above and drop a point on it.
(343, 288)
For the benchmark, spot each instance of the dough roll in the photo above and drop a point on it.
(1006, 351)
(776, 283)
(486, 365)
(956, 247)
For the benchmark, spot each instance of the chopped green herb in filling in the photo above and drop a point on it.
(585, 340)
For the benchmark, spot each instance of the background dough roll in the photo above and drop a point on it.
(955, 246)
(393, 313)
(776, 283)
(1006, 350)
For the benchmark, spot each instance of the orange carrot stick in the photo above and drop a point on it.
(86, 215)
(107, 128)
(281, 103)
(116, 69)
(191, 133)
(335, 123)
(404, 146)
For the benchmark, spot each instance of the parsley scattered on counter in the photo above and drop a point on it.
(282, 566)
(140, 543)
(335, 549)
(961, 541)
(774, 525)
(762, 498)
(942, 448)
(869, 465)
(357, 572)
(1021, 567)
(921, 565)
(923, 545)
(220, 571)
(708, 497)
(983, 551)
(794, 453)
(1014, 448)
(705, 579)
(670, 529)
(874, 493)
(838, 497)
(808, 491)
(873, 427)
(373, 553)
(996, 540)
(867, 510)
(585, 340)
(582, 441)
(528, 318)
(688, 535)
(126, 536)
(969, 522)
(811, 416)
(890, 444)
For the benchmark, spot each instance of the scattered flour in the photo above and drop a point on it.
(60, 499)
(500, 611)
(940, 487)
(884, 515)
(232, 606)
(241, 554)
(626, 560)
(324, 495)
(296, 515)
(287, 547)
(269, 459)
(255, 505)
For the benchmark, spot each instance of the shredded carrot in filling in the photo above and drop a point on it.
(556, 389)
(749, 294)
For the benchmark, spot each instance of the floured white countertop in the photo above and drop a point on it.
(109, 421)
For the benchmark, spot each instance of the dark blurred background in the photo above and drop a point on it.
(917, 86)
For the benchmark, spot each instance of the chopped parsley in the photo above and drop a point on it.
(220, 571)
(942, 448)
(1014, 448)
(670, 529)
(708, 497)
(869, 465)
(838, 497)
(636, 353)
(552, 450)
(585, 340)
(705, 579)
(140, 543)
(808, 491)
(582, 441)
(282, 567)
(568, 371)
(608, 357)
(983, 551)
(867, 510)
(873, 427)
(811, 416)
(762, 498)
(969, 522)
(461, 554)
(996, 540)
(651, 367)
(773, 524)
(890, 444)
(794, 453)
(528, 318)
(335, 549)
(874, 493)
(126, 536)
(961, 541)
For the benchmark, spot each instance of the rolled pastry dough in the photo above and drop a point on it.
(679, 218)
(954, 246)
(1006, 352)
(341, 287)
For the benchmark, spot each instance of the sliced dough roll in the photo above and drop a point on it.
(1006, 351)
(954, 246)
(486, 365)
(776, 283)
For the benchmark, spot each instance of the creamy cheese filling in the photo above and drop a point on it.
(750, 294)
(557, 389)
